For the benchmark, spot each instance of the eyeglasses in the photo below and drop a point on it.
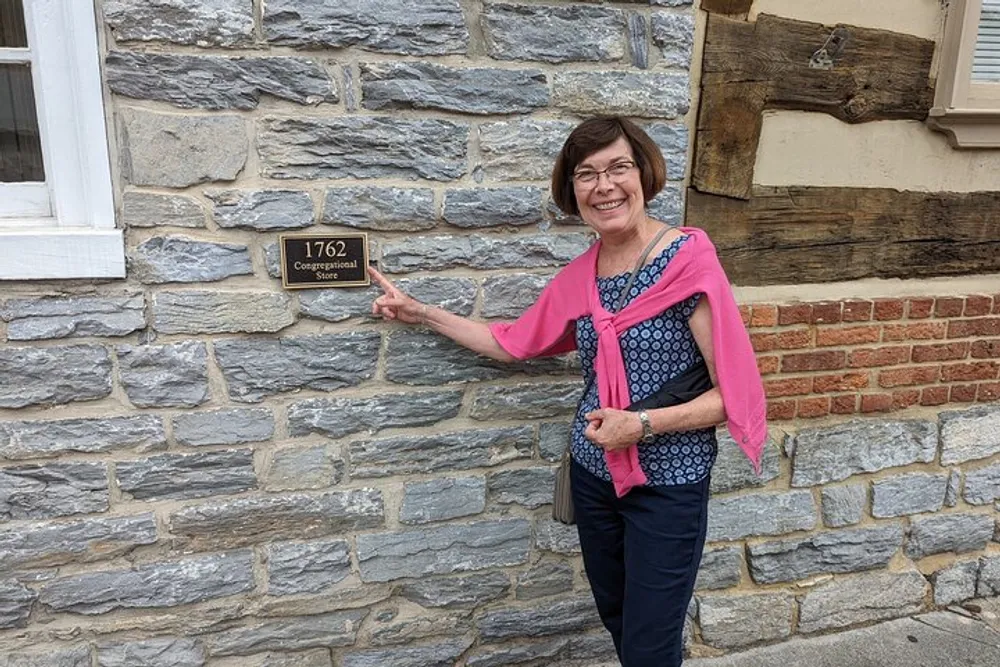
(615, 172)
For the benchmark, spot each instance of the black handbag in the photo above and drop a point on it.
(687, 386)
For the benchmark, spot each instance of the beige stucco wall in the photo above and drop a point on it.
(799, 148)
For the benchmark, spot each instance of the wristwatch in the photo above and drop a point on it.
(647, 428)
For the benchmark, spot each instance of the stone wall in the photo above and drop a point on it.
(200, 469)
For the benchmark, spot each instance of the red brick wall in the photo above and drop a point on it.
(879, 355)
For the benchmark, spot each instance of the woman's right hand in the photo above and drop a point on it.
(394, 304)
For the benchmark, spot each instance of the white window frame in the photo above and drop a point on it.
(967, 111)
(79, 239)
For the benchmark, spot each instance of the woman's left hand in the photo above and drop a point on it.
(613, 429)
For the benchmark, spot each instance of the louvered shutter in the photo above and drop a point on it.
(986, 61)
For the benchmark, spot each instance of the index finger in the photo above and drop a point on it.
(382, 281)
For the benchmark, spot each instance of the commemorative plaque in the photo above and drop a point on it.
(323, 260)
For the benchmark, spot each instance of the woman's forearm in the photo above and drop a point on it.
(468, 333)
(705, 411)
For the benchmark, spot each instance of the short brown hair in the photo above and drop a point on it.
(591, 136)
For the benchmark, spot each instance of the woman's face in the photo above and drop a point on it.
(612, 202)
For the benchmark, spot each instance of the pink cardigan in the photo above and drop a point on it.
(548, 328)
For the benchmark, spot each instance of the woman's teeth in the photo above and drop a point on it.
(609, 205)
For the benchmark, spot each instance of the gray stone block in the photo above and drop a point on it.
(474, 208)
(832, 453)
(362, 147)
(988, 583)
(526, 401)
(256, 368)
(328, 630)
(668, 205)
(518, 653)
(672, 138)
(982, 486)
(75, 656)
(862, 598)
(244, 521)
(835, 552)
(216, 82)
(949, 532)
(412, 630)
(164, 259)
(521, 150)
(342, 416)
(553, 33)
(552, 440)
(53, 490)
(319, 657)
(844, 505)
(168, 150)
(434, 253)
(968, 435)
(383, 209)
(954, 487)
(152, 586)
(550, 535)
(42, 439)
(571, 615)
(645, 95)
(638, 40)
(181, 476)
(62, 317)
(262, 210)
(760, 514)
(456, 295)
(733, 621)
(434, 27)
(528, 487)
(15, 604)
(53, 375)
(442, 499)
(458, 450)
(44, 545)
(443, 550)
(295, 468)
(471, 90)
(296, 568)
(908, 494)
(162, 376)
(461, 592)
(230, 426)
(720, 568)
(189, 22)
(440, 654)
(510, 295)
(426, 358)
(166, 652)
(203, 311)
(674, 34)
(955, 583)
(733, 471)
(145, 209)
(543, 580)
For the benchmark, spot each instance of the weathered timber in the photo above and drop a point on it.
(811, 234)
(726, 6)
(854, 74)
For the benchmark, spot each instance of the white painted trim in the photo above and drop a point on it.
(15, 56)
(35, 254)
(25, 200)
(78, 239)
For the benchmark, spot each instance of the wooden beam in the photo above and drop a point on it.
(854, 74)
(726, 6)
(788, 235)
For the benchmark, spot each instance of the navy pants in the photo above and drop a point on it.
(641, 554)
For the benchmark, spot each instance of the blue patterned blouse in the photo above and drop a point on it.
(655, 351)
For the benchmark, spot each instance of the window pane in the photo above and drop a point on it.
(20, 148)
(12, 33)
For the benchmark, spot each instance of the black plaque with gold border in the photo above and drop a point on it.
(324, 260)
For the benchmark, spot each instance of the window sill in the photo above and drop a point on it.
(967, 128)
(55, 254)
